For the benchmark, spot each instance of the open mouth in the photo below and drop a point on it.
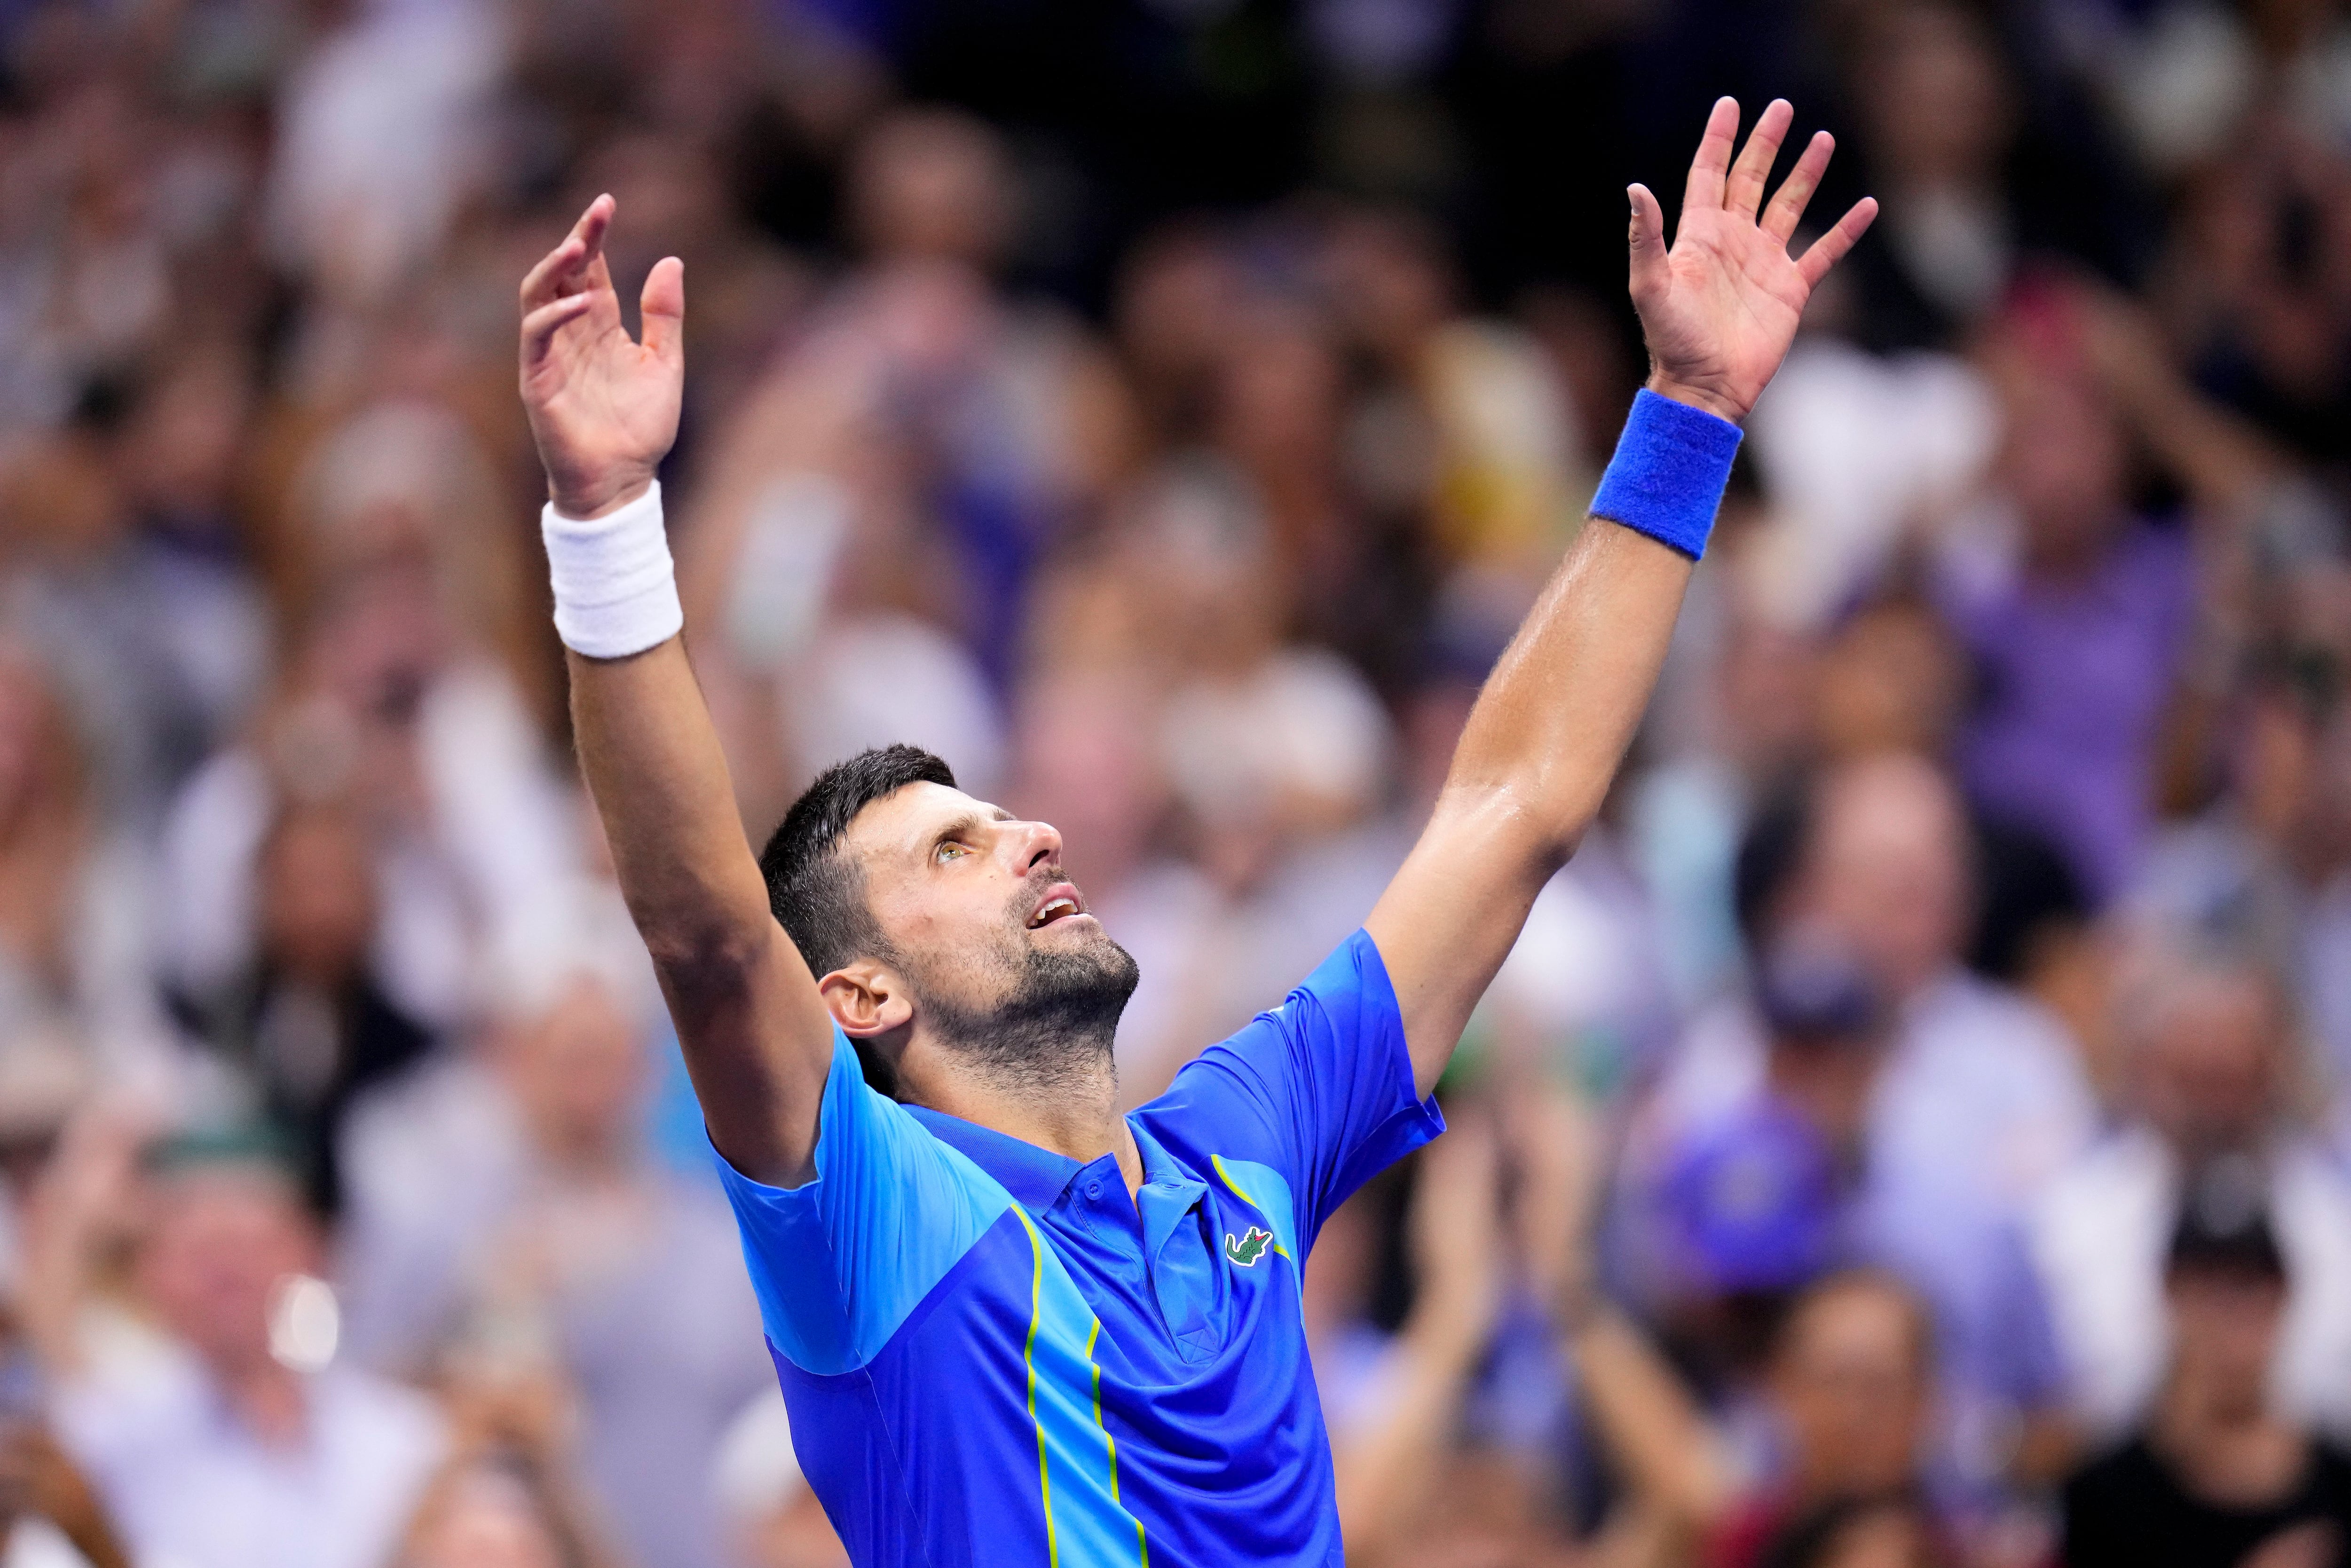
(1061, 903)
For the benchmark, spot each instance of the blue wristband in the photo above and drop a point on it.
(1667, 477)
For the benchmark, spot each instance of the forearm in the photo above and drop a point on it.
(653, 765)
(1552, 724)
(1668, 1454)
(1381, 1475)
(749, 1016)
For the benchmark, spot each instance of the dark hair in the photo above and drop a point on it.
(2223, 1227)
(1770, 860)
(817, 892)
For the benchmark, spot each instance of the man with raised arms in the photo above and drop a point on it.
(1012, 1325)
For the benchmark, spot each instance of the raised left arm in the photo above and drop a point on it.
(1719, 310)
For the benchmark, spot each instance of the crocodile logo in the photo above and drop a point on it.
(1244, 1251)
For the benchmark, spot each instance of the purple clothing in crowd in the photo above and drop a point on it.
(2073, 677)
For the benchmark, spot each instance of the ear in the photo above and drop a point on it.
(866, 1000)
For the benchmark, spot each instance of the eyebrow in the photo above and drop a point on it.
(964, 824)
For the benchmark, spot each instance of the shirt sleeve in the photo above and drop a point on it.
(1321, 1089)
(839, 1262)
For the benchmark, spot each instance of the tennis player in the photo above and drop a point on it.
(1012, 1325)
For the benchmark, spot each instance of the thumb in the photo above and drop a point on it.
(1646, 245)
(663, 308)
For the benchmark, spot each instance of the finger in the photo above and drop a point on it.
(1787, 208)
(1704, 187)
(662, 307)
(1744, 193)
(539, 327)
(1830, 248)
(586, 237)
(1647, 244)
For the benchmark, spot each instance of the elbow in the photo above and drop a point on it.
(1534, 824)
(706, 957)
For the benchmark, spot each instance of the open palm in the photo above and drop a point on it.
(1720, 308)
(604, 407)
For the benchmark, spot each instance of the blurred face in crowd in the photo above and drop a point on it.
(222, 1237)
(1086, 761)
(579, 1071)
(182, 448)
(1175, 310)
(1197, 554)
(482, 1517)
(1278, 397)
(997, 952)
(2064, 465)
(1888, 874)
(2214, 1059)
(1936, 98)
(2224, 1328)
(1769, 699)
(1850, 1381)
(318, 896)
(1390, 282)
(932, 184)
(2275, 764)
(1891, 680)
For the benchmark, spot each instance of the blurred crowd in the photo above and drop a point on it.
(1914, 1133)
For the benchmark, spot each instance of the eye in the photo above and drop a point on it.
(951, 851)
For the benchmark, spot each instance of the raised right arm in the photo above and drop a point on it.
(603, 410)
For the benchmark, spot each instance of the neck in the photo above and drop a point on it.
(266, 1396)
(1072, 1109)
(2224, 1442)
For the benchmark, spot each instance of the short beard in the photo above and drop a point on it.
(1053, 1031)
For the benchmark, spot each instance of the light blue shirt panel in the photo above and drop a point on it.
(839, 1261)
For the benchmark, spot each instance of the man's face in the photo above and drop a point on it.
(1851, 1386)
(994, 944)
(2214, 1060)
(223, 1242)
(1889, 873)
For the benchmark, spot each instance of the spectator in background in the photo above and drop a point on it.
(508, 1497)
(2266, 869)
(244, 1447)
(2215, 1476)
(1394, 1401)
(1985, 161)
(2249, 294)
(508, 1225)
(398, 700)
(1850, 1391)
(2211, 1068)
(308, 1029)
(74, 905)
(1975, 1103)
(2055, 573)
(876, 510)
(50, 1516)
(126, 583)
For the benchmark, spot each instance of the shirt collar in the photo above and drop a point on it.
(1034, 1177)
(1168, 1192)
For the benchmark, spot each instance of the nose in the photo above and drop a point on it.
(1035, 844)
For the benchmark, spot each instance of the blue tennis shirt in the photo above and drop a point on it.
(992, 1356)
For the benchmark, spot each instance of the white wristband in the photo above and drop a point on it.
(615, 588)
